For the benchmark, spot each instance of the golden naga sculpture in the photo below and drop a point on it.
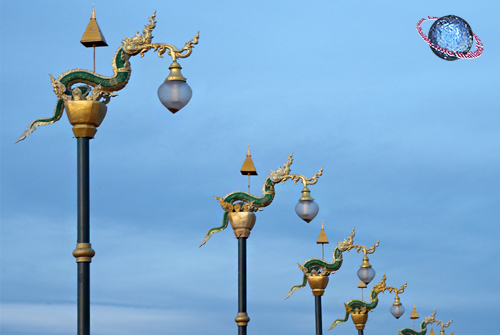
(96, 87)
(243, 201)
(359, 309)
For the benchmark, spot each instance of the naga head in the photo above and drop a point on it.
(348, 242)
(282, 173)
(133, 46)
(431, 318)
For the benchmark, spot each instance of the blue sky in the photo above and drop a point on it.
(409, 144)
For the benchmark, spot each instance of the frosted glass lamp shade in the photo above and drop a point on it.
(397, 311)
(174, 94)
(307, 210)
(366, 274)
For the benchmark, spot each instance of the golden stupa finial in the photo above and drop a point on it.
(432, 332)
(248, 168)
(414, 314)
(322, 239)
(93, 37)
(362, 284)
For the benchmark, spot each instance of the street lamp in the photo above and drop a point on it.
(316, 272)
(239, 208)
(174, 92)
(359, 309)
(84, 94)
(423, 326)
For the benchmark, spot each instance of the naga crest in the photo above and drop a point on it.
(347, 243)
(140, 44)
(281, 174)
(381, 287)
(431, 318)
(137, 44)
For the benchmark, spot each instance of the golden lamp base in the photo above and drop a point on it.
(85, 116)
(359, 320)
(318, 284)
(242, 223)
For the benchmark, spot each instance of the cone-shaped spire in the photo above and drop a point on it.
(93, 37)
(248, 168)
(432, 332)
(361, 284)
(414, 314)
(322, 239)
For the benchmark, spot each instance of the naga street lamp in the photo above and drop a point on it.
(239, 208)
(316, 271)
(83, 103)
(86, 111)
(423, 326)
(359, 309)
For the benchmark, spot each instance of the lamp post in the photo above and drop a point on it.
(423, 326)
(316, 272)
(239, 208)
(80, 92)
(359, 309)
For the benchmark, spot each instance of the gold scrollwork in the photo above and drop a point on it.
(348, 245)
(381, 287)
(297, 177)
(140, 44)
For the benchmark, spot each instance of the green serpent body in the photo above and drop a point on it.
(120, 78)
(263, 201)
(358, 305)
(409, 331)
(313, 263)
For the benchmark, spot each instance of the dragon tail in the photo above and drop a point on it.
(336, 322)
(216, 229)
(296, 287)
(58, 110)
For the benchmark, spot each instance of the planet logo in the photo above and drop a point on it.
(451, 38)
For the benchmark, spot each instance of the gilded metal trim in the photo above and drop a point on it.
(242, 319)
(83, 253)
(140, 44)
